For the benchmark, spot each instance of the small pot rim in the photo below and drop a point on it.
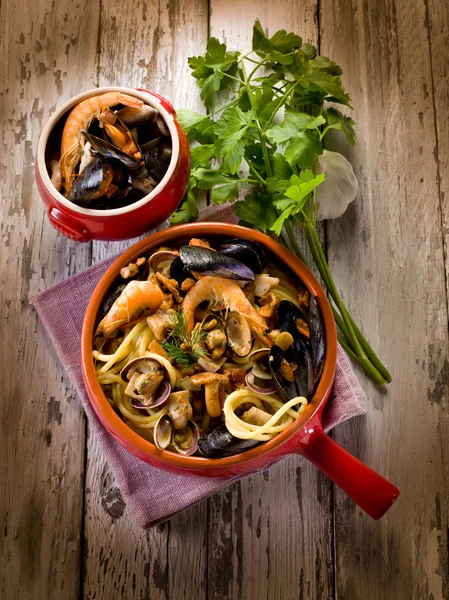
(138, 445)
(145, 96)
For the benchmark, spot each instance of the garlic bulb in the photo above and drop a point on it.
(339, 188)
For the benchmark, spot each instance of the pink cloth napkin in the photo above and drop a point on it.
(152, 495)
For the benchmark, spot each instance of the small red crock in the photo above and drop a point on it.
(83, 224)
(306, 436)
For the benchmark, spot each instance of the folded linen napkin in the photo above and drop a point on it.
(149, 492)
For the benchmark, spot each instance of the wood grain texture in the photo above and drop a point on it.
(42, 423)
(386, 255)
(269, 537)
(140, 47)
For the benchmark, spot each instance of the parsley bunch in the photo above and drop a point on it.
(268, 137)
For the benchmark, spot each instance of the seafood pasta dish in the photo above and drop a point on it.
(207, 348)
(112, 151)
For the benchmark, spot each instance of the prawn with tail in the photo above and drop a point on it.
(138, 298)
(220, 292)
(78, 121)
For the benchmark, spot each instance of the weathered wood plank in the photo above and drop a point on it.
(269, 537)
(386, 255)
(438, 23)
(146, 45)
(41, 464)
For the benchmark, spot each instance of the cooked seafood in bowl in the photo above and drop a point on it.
(110, 151)
(207, 348)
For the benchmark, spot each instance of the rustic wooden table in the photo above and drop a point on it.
(287, 533)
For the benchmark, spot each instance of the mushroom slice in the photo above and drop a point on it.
(211, 382)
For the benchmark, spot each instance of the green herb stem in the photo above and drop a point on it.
(294, 242)
(320, 260)
(282, 101)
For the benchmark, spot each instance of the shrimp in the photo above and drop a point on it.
(79, 120)
(56, 177)
(222, 292)
(137, 297)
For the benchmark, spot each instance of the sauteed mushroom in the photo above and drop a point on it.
(211, 382)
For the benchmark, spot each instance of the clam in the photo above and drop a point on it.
(184, 441)
(163, 432)
(219, 443)
(238, 333)
(207, 262)
(162, 260)
(260, 379)
(148, 382)
(248, 252)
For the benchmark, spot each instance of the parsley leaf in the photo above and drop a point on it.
(207, 178)
(293, 123)
(201, 155)
(225, 193)
(295, 197)
(281, 168)
(303, 149)
(230, 129)
(210, 69)
(280, 43)
(188, 210)
(256, 210)
(335, 120)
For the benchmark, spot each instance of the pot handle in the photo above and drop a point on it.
(372, 492)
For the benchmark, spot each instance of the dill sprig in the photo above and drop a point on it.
(184, 347)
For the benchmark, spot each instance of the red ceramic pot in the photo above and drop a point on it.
(83, 224)
(305, 436)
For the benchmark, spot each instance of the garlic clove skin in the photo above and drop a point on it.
(339, 188)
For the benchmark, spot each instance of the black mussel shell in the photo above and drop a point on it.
(317, 338)
(219, 443)
(112, 295)
(107, 150)
(156, 166)
(208, 262)
(87, 184)
(136, 117)
(178, 271)
(286, 390)
(286, 314)
(304, 378)
(246, 251)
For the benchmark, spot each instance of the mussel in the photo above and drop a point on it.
(288, 315)
(106, 149)
(248, 252)
(155, 165)
(219, 443)
(178, 271)
(292, 371)
(135, 117)
(207, 262)
(148, 382)
(99, 178)
(183, 441)
(317, 338)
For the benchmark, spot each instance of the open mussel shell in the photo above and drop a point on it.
(287, 315)
(185, 440)
(163, 433)
(238, 333)
(178, 271)
(149, 371)
(219, 443)
(157, 167)
(289, 383)
(107, 150)
(96, 179)
(135, 117)
(207, 262)
(304, 377)
(317, 338)
(248, 252)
